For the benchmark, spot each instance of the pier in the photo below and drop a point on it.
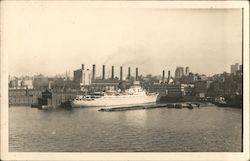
(188, 105)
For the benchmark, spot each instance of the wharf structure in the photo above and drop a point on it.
(26, 97)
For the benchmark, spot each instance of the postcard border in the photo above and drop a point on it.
(6, 155)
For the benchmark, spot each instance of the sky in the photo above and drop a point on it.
(44, 38)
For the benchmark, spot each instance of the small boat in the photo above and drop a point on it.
(179, 105)
(66, 105)
(190, 106)
(221, 104)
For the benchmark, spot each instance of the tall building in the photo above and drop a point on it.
(241, 68)
(234, 68)
(78, 76)
(187, 71)
(86, 77)
(82, 76)
(179, 72)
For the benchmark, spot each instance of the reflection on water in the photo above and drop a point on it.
(136, 117)
(87, 129)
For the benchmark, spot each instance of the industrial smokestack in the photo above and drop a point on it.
(121, 73)
(169, 76)
(163, 76)
(136, 74)
(129, 74)
(112, 73)
(93, 72)
(103, 72)
(82, 66)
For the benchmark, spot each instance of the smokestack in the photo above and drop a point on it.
(82, 66)
(121, 73)
(112, 73)
(169, 76)
(163, 76)
(93, 72)
(136, 74)
(103, 72)
(129, 75)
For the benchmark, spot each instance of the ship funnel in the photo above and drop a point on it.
(103, 72)
(121, 73)
(112, 73)
(82, 66)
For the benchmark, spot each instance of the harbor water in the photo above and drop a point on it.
(206, 129)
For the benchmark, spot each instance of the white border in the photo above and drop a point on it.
(5, 155)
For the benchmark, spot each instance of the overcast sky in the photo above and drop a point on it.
(50, 39)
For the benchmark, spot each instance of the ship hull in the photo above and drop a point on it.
(107, 101)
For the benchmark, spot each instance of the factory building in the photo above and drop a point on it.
(40, 82)
(167, 88)
(170, 90)
(188, 79)
(21, 84)
(87, 80)
(200, 88)
(27, 84)
(15, 84)
(102, 85)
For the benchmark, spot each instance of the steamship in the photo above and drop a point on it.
(135, 95)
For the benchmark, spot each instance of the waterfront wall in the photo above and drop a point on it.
(23, 97)
(22, 100)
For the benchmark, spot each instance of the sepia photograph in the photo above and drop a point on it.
(123, 77)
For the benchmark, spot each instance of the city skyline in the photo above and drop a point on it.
(128, 71)
(50, 41)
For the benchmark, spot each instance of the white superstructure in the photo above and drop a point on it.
(132, 96)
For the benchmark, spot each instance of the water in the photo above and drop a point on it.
(153, 130)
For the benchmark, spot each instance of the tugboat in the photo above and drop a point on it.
(66, 105)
